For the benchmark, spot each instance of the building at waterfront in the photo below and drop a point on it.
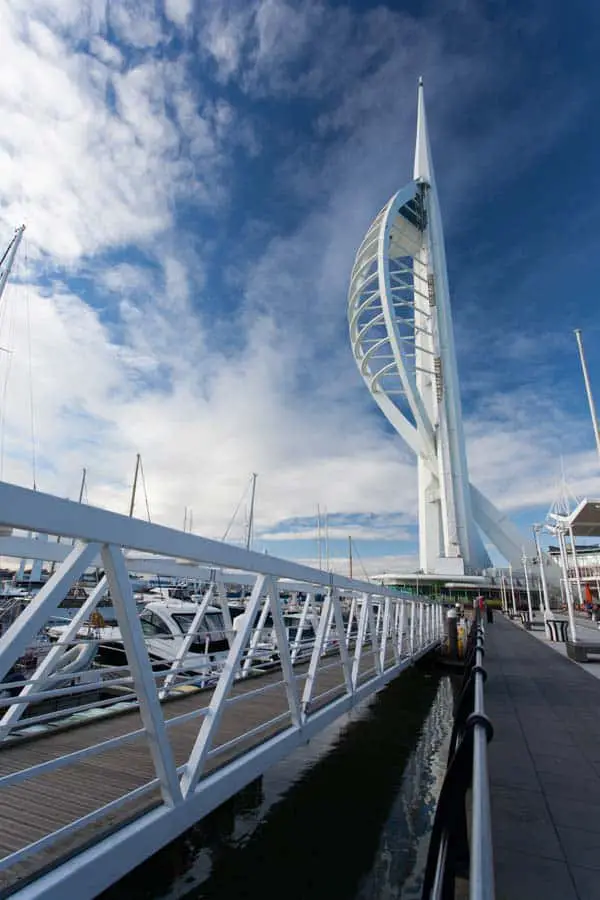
(583, 563)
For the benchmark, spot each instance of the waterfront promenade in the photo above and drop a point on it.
(544, 768)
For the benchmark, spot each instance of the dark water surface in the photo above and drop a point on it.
(346, 817)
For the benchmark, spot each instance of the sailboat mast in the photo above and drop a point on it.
(251, 515)
(319, 537)
(82, 488)
(8, 258)
(350, 553)
(134, 488)
(79, 500)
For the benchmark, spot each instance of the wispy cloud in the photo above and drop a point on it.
(368, 566)
(338, 527)
(97, 154)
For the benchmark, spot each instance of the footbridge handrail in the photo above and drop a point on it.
(461, 840)
(183, 718)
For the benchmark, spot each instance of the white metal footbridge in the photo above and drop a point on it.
(93, 781)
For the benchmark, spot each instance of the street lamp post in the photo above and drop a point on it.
(545, 595)
(512, 588)
(560, 533)
(529, 608)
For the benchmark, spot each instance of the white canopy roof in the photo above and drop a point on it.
(584, 520)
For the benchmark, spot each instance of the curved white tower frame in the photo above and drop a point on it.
(403, 343)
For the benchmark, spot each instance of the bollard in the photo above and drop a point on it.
(452, 633)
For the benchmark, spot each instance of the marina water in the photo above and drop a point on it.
(347, 817)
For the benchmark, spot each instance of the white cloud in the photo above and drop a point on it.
(283, 30)
(313, 49)
(515, 445)
(89, 173)
(358, 532)
(126, 278)
(106, 52)
(178, 11)
(368, 566)
(135, 22)
(223, 33)
(80, 20)
(202, 421)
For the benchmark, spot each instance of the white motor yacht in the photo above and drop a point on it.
(300, 637)
(165, 624)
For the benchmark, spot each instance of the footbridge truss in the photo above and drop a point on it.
(101, 766)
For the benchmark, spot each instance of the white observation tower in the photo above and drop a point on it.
(403, 343)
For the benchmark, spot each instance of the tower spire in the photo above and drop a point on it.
(423, 170)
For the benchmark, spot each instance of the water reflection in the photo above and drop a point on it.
(345, 817)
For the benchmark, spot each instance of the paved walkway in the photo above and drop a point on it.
(586, 631)
(544, 769)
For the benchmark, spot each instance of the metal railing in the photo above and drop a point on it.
(170, 758)
(461, 840)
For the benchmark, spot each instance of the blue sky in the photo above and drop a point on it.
(196, 179)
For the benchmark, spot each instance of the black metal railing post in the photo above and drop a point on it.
(455, 849)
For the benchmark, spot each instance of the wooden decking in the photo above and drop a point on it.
(49, 801)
